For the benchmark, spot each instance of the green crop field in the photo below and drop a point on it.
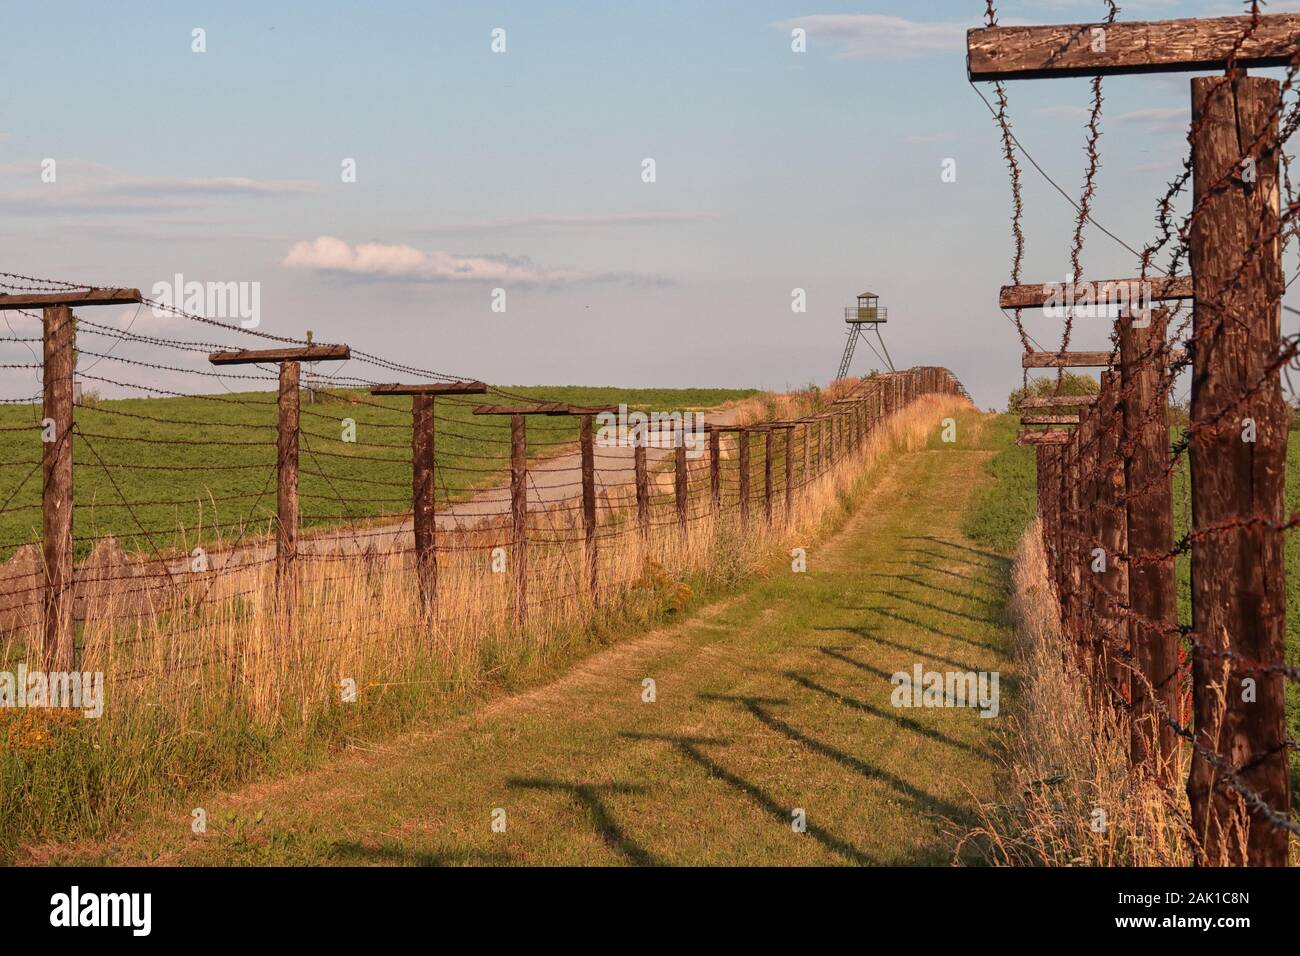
(196, 466)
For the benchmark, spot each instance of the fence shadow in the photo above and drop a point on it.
(589, 797)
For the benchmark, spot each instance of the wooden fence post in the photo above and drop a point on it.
(1113, 540)
(642, 486)
(680, 476)
(424, 518)
(715, 470)
(1153, 599)
(519, 515)
(743, 455)
(59, 337)
(286, 498)
(767, 473)
(588, 455)
(1237, 469)
(789, 473)
(807, 451)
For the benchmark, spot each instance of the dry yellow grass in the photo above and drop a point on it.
(1071, 799)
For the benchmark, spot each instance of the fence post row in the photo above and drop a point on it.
(1237, 447)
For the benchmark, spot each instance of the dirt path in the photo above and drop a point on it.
(775, 700)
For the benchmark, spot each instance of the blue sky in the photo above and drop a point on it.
(522, 170)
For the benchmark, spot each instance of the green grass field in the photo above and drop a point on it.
(1003, 509)
(208, 464)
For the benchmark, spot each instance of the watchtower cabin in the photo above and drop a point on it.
(868, 310)
(867, 314)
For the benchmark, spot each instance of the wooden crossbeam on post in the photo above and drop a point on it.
(1049, 419)
(1043, 437)
(1153, 599)
(1063, 50)
(423, 475)
(1066, 360)
(1157, 289)
(69, 299)
(286, 497)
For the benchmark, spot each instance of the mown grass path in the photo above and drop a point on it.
(776, 699)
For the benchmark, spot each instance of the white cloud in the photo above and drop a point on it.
(526, 223)
(859, 35)
(381, 260)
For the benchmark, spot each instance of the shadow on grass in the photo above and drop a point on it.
(895, 615)
(998, 560)
(357, 854)
(925, 802)
(907, 723)
(919, 653)
(589, 797)
(689, 747)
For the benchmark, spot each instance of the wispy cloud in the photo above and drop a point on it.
(1161, 119)
(84, 188)
(860, 35)
(540, 223)
(381, 260)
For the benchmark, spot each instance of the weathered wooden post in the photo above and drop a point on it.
(743, 441)
(423, 476)
(767, 474)
(642, 486)
(59, 335)
(1238, 468)
(588, 455)
(1113, 540)
(680, 479)
(286, 454)
(715, 470)
(519, 514)
(1149, 502)
(807, 451)
(789, 472)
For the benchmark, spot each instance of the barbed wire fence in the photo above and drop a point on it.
(243, 521)
(1106, 495)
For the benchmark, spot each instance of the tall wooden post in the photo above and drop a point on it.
(1152, 595)
(715, 470)
(286, 497)
(642, 486)
(807, 451)
(789, 473)
(680, 476)
(1112, 539)
(588, 455)
(424, 517)
(743, 441)
(1237, 469)
(821, 445)
(519, 514)
(424, 477)
(767, 474)
(59, 651)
